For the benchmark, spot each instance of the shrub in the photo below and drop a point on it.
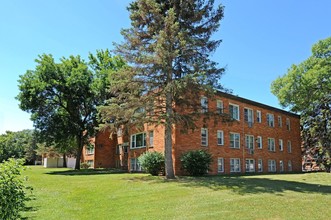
(84, 165)
(196, 163)
(12, 189)
(152, 162)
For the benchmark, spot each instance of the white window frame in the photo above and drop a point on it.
(260, 165)
(281, 144)
(249, 141)
(289, 147)
(258, 116)
(288, 124)
(289, 165)
(219, 106)
(204, 137)
(220, 165)
(90, 163)
(271, 144)
(204, 104)
(270, 120)
(281, 166)
(235, 166)
(250, 165)
(280, 123)
(232, 112)
(272, 166)
(90, 149)
(259, 142)
(248, 115)
(134, 164)
(133, 141)
(151, 138)
(235, 140)
(220, 138)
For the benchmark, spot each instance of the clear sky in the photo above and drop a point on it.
(261, 40)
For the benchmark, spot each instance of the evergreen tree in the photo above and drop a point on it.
(168, 48)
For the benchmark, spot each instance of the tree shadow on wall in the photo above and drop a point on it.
(242, 184)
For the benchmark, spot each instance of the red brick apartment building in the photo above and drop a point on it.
(263, 139)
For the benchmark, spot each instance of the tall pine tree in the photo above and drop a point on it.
(168, 48)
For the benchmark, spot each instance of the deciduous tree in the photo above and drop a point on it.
(306, 89)
(62, 97)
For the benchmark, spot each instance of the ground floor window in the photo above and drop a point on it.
(220, 165)
(250, 165)
(289, 166)
(271, 165)
(235, 165)
(90, 163)
(281, 166)
(134, 164)
(259, 165)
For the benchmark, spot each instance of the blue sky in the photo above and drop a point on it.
(261, 40)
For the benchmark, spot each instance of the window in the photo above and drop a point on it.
(249, 117)
(204, 104)
(235, 140)
(134, 164)
(289, 166)
(288, 125)
(220, 165)
(138, 140)
(219, 106)
(125, 149)
(258, 116)
(90, 149)
(220, 137)
(259, 165)
(234, 111)
(250, 165)
(234, 165)
(118, 164)
(271, 166)
(204, 137)
(281, 166)
(249, 140)
(270, 120)
(90, 163)
(280, 121)
(289, 147)
(259, 142)
(280, 141)
(151, 138)
(271, 144)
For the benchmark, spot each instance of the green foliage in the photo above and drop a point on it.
(306, 89)
(20, 144)
(12, 189)
(196, 162)
(152, 162)
(62, 97)
(169, 47)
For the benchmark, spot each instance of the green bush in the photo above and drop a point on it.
(84, 165)
(152, 162)
(196, 163)
(12, 189)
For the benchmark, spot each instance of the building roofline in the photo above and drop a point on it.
(251, 102)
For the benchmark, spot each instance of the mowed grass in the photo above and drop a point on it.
(101, 194)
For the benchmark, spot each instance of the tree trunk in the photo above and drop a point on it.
(169, 169)
(64, 160)
(80, 146)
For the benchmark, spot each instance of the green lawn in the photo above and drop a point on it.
(65, 194)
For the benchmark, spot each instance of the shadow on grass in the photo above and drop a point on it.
(86, 172)
(242, 184)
